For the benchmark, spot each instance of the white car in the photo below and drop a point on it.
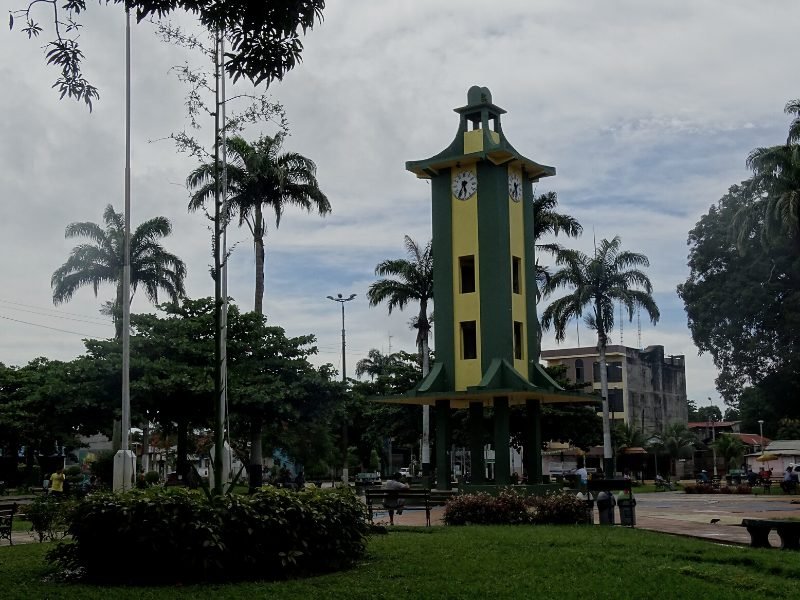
(405, 472)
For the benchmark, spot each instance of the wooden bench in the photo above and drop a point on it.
(400, 500)
(7, 512)
(788, 531)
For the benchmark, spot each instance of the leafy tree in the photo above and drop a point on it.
(259, 177)
(709, 413)
(546, 221)
(152, 267)
(375, 365)
(596, 284)
(731, 449)
(788, 429)
(410, 280)
(263, 37)
(628, 436)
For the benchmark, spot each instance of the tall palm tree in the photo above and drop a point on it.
(412, 282)
(596, 284)
(259, 176)
(152, 267)
(546, 221)
(731, 449)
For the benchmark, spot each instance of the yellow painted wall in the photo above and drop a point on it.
(466, 307)
(473, 141)
(518, 312)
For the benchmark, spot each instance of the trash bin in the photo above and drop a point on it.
(605, 508)
(627, 511)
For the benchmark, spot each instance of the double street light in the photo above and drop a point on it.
(345, 474)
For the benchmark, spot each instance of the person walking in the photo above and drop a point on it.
(57, 483)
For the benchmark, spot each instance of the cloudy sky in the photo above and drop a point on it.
(647, 109)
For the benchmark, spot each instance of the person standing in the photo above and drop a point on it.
(57, 483)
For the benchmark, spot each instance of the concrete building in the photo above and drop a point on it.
(646, 389)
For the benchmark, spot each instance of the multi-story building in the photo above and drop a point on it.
(646, 389)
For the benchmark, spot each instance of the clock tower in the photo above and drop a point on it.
(487, 331)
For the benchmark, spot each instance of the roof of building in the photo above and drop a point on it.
(752, 439)
(712, 424)
(784, 446)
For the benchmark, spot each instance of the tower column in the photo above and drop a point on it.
(477, 464)
(442, 443)
(533, 441)
(502, 454)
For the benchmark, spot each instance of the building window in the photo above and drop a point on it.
(466, 269)
(579, 374)
(613, 371)
(615, 403)
(516, 274)
(469, 340)
(517, 340)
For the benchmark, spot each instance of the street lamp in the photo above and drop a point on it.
(761, 434)
(341, 300)
(713, 438)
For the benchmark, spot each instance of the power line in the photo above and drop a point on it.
(89, 335)
(57, 316)
(55, 311)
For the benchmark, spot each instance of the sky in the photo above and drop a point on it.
(647, 110)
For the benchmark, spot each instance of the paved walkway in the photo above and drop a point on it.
(677, 513)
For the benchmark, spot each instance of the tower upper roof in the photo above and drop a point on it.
(483, 115)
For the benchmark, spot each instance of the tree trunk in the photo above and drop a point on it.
(258, 241)
(182, 466)
(608, 458)
(255, 469)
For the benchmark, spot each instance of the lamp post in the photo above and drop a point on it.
(713, 439)
(761, 434)
(345, 475)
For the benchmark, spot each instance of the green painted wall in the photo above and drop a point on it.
(495, 264)
(443, 275)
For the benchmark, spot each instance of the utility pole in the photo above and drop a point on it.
(345, 469)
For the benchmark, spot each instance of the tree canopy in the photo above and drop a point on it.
(264, 37)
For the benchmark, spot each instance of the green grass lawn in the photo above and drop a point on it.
(482, 562)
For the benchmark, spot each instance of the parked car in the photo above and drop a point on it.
(405, 472)
(368, 478)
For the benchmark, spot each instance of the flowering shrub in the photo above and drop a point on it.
(559, 508)
(511, 508)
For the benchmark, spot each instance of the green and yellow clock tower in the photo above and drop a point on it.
(487, 331)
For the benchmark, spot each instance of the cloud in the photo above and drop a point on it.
(647, 110)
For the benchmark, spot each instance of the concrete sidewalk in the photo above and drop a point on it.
(676, 513)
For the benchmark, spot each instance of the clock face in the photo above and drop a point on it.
(465, 184)
(515, 186)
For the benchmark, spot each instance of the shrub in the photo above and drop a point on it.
(511, 508)
(559, 508)
(48, 516)
(152, 478)
(507, 508)
(269, 535)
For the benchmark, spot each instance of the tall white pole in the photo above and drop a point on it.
(124, 460)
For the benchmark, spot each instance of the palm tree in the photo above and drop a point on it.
(413, 282)
(152, 267)
(678, 442)
(731, 449)
(260, 176)
(546, 221)
(376, 364)
(597, 283)
(775, 186)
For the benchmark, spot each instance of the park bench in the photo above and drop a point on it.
(788, 531)
(409, 499)
(7, 512)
